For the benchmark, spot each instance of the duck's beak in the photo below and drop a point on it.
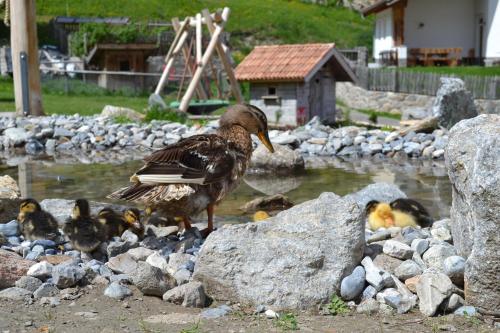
(264, 138)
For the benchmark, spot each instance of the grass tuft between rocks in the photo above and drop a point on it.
(337, 306)
(287, 322)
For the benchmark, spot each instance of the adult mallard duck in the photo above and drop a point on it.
(84, 231)
(197, 172)
(35, 222)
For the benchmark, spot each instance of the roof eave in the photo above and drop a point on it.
(378, 7)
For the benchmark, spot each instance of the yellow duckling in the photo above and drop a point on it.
(260, 216)
(35, 222)
(379, 215)
(84, 231)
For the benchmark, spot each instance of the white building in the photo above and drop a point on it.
(470, 25)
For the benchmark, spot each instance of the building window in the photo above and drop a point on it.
(271, 91)
(124, 65)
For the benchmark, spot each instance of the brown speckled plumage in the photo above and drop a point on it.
(196, 173)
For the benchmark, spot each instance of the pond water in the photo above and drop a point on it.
(425, 181)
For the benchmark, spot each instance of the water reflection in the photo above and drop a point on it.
(425, 181)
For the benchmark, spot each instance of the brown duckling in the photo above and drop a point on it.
(196, 173)
(84, 231)
(35, 222)
(113, 223)
(409, 212)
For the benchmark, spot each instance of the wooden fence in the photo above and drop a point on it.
(481, 87)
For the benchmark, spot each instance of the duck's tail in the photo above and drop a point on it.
(152, 194)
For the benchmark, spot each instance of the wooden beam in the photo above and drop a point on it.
(199, 51)
(204, 61)
(235, 87)
(200, 92)
(24, 39)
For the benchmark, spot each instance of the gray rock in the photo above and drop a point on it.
(140, 253)
(17, 136)
(414, 113)
(124, 278)
(385, 310)
(33, 147)
(157, 260)
(411, 233)
(442, 234)
(46, 290)
(129, 237)
(383, 192)
(452, 303)
(116, 248)
(369, 292)
(407, 269)
(379, 235)
(305, 270)
(453, 103)
(407, 300)
(177, 261)
(285, 139)
(397, 249)
(117, 291)
(161, 231)
(376, 277)
(29, 283)
(122, 264)
(50, 145)
(386, 293)
(182, 276)
(67, 275)
(283, 159)
(150, 280)
(62, 132)
(191, 294)
(352, 285)
(217, 312)
(15, 294)
(368, 306)
(435, 255)
(9, 229)
(454, 267)
(40, 270)
(474, 170)
(52, 301)
(420, 245)
(466, 310)
(432, 290)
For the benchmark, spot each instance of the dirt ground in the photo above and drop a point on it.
(95, 313)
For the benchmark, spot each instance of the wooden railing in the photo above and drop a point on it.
(395, 80)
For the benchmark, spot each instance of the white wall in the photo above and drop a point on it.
(446, 23)
(287, 104)
(383, 39)
(493, 29)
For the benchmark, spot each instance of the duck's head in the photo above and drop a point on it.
(27, 206)
(384, 211)
(249, 117)
(81, 209)
(133, 218)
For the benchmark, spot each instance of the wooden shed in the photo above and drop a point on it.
(120, 58)
(293, 83)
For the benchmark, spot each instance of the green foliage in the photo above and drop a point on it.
(76, 87)
(287, 322)
(337, 306)
(387, 128)
(457, 71)
(373, 118)
(374, 113)
(157, 113)
(193, 329)
(122, 120)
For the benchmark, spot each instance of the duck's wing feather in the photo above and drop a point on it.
(414, 208)
(199, 159)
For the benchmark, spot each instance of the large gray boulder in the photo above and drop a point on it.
(283, 159)
(453, 103)
(294, 260)
(383, 192)
(472, 159)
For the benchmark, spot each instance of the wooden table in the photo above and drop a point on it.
(434, 56)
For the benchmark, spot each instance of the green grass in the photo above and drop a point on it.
(286, 21)
(458, 71)
(287, 322)
(375, 114)
(337, 306)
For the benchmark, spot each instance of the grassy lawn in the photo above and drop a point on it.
(70, 104)
(459, 71)
(287, 21)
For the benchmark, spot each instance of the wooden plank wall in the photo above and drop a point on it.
(389, 79)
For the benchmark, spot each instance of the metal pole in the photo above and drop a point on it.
(25, 83)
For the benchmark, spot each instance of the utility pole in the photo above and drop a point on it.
(24, 46)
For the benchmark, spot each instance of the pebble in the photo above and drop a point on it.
(10, 229)
(217, 312)
(407, 270)
(157, 260)
(435, 255)
(454, 268)
(130, 237)
(67, 275)
(466, 310)
(117, 291)
(29, 283)
(368, 306)
(442, 234)
(397, 249)
(420, 245)
(41, 270)
(352, 285)
(375, 276)
(15, 294)
(46, 290)
(379, 235)
(432, 290)
(270, 314)
(369, 292)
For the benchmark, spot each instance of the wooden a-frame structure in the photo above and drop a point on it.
(196, 64)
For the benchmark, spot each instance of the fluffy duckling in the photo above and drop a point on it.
(35, 222)
(113, 223)
(260, 216)
(379, 215)
(84, 231)
(408, 212)
(132, 217)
